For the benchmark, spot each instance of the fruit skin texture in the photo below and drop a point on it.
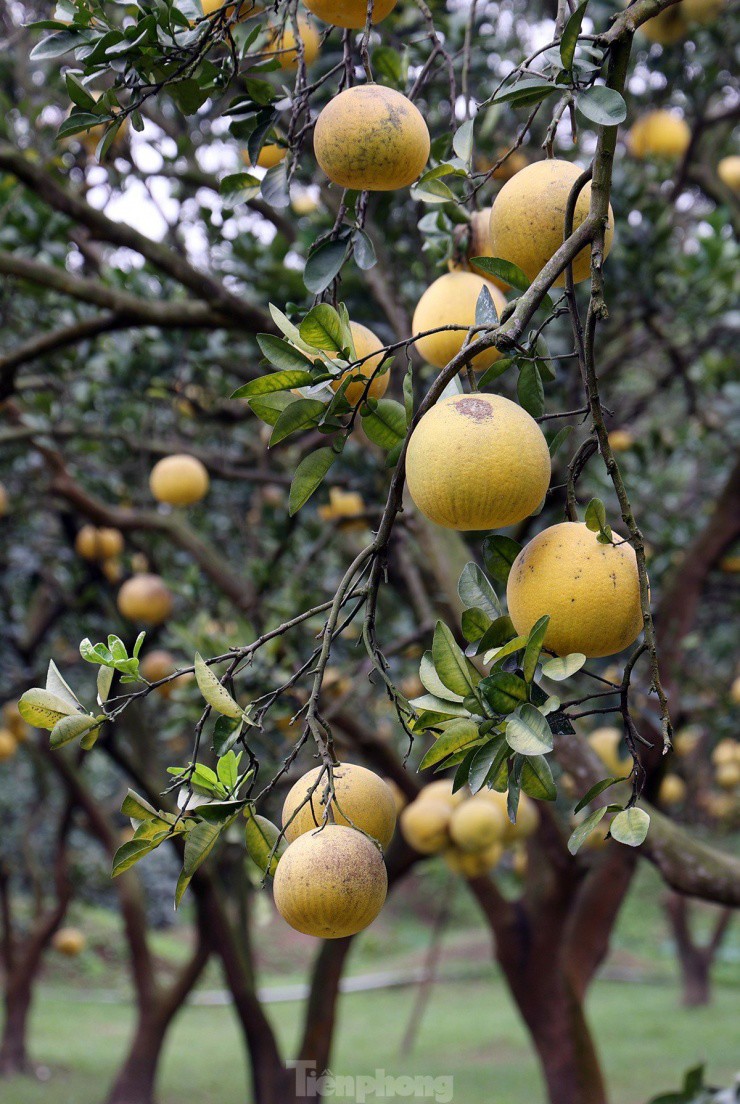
(179, 480)
(659, 134)
(473, 864)
(69, 941)
(331, 883)
(371, 138)
(528, 215)
(728, 171)
(284, 44)
(269, 156)
(591, 591)
(451, 300)
(349, 13)
(366, 344)
(8, 744)
(363, 797)
(477, 824)
(424, 825)
(145, 598)
(477, 462)
(605, 742)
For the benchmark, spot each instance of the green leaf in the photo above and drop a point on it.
(584, 829)
(214, 693)
(431, 681)
(604, 784)
(534, 647)
(199, 844)
(227, 769)
(630, 827)
(507, 649)
(42, 709)
(499, 554)
(529, 389)
(537, 780)
(322, 329)
(505, 270)
(476, 591)
(324, 264)
(458, 734)
(487, 762)
(454, 669)
(499, 633)
(462, 143)
(389, 64)
(78, 94)
(299, 415)
(275, 185)
(137, 808)
(183, 882)
(525, 92)
(569, 41)
(269, 407)
(57, 45)
(562, 667)
(68, 729)
(226, 732)
(385, 423)
(497, 369)
(275, 381)
(55, 684)
(475, 624)
(261, 837)
(308, 477)
(528, 732)
(130, 853)
(430, 703)
(559, 439)
(282, 354)
(363, 250)
(601, 105)
(503, 691)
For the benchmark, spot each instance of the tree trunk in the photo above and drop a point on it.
(135, 1081)
(17, 1002)
(695, 960)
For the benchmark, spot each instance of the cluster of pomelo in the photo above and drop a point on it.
(13, 730)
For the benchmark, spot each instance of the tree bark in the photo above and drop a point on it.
(696, 961)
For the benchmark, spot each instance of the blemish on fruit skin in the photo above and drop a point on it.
(475, 409)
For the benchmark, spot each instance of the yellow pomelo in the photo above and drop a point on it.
(304, 202)
(528, 218)
(14, 722)
(69, 941)
(728, 775)
(363, 800)
(701, 11)
(371, 138)
(249, 7)
(473, 864)
(179, 480)
(686, 741)
(98, 544)
(270, 155)
(345, 507)
(666, 28)
(728, 171)
(330, 883)
(480, 246)
(519, 861)
(659, 134)
(735, 691)
(451, 301)
(4, 501)
(366, 345)
(726, 751)
(8, 744)
(477, 462)
(145, 598)
(399, 797)
(424, 825)
(621, 440)
(672, 790)
(606, 743)
(441, 790)
(476, 824)
(159, 664)
(349, 13)
(591, 591)
(527, 816)
(284, 44)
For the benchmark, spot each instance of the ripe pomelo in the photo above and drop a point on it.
(451, 301)
(283, 44)
(366, 345)
(473, 864)
(659, 134)
(728, 170)
(362, 798)
(425, 824)
(476, 824)
(179, 480)
(145, 598)
(349, 13)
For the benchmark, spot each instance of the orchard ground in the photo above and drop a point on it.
(469, 1028)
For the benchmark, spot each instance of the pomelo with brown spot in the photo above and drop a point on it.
(451, 301)
(330, 883)
(477, 462)
(371, 138)
(591, 591)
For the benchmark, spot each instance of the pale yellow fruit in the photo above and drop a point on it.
(349, 13)
(8, 744)
(13, 721)
(606, 742)
(722, 806)
(621, 440)
(179, 480)
(728, 171)
(672, 790)
(69, 941)
(686, 741)
(304, 203)
(473, 864)
(728, 775)
(527, 816)
(425, 824)
(659, 134)
(366, 345)
(666, 28)
(248, 8)
(98, 544)
(145, 598)
(477, 462)
(112, 570)
(330, 883)
(514, 163)
(591, 591)
(735, 691)
(269, 156)
(702, 12)
(730, 564)
(344, 506)
(726, 751)
(284, 44)
(4, 501)
(480, 246)
(441, 790)
(451, 301)
(519, 861)
(363, 800)
(476, 824)
(528, 216)
(371, 138)
(159, 664)
(399, 797)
